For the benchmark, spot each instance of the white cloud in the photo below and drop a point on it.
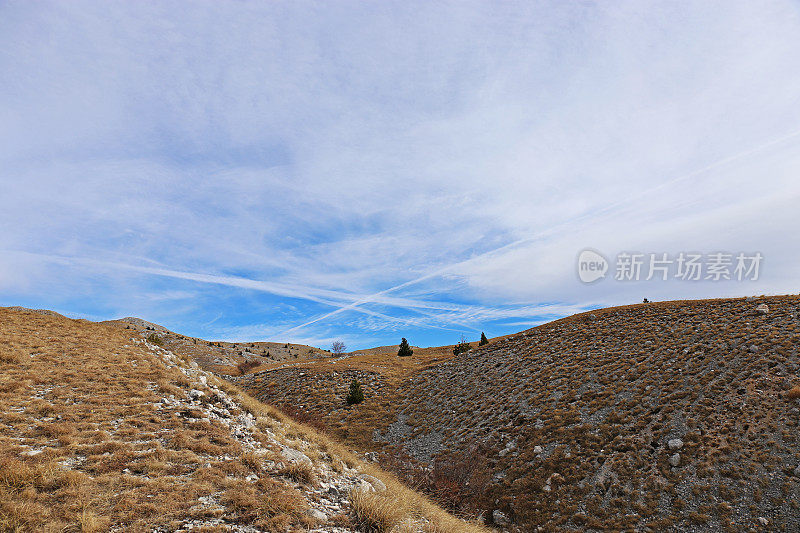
(331, 152)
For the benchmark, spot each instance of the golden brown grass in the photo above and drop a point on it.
(86, 444)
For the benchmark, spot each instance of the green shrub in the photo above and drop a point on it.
(462, 346)
(355, 395)
(405, 350)
(484, 340)
(155, 339)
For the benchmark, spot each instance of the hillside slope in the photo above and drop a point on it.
(676, 415)
(220, 356)
(102, 431)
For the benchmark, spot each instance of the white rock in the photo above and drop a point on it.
(294, 456)
(675, 444)
(376, 483)
(245, 420)
(195, 394)
(763, 309)
(675, 459)
(31, 453)
(763, 521)
(499, 518)
(537, 449)
(363, 486)
(317, 515)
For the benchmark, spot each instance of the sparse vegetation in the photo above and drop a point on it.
(575, 418)
(100, 431)
(338, 347)
(462, 346)
(484, 340)
(153, 338)
(247, 365)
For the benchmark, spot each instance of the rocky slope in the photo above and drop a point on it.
(104, 431)
(663, 416)
(220, 356)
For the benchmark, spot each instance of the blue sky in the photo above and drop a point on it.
(305, 172)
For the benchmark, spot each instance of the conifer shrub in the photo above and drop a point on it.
(405, 349)
(356, 394)
(484, 340)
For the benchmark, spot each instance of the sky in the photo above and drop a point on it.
(366, 171)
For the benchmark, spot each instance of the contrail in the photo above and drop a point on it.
(321, 296)
(536, 236)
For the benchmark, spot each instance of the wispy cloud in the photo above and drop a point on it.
(374, 170)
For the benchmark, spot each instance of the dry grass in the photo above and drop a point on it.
(376, 512)
(601, 392)
(80, 413)
(302, 472)
(87, 444)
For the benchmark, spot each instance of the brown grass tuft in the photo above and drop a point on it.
(376, 512)
(301, 472)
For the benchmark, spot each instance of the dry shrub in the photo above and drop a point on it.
(16, 475)
(90, 522)
(376, 512)
(252, 460)
(246, 366)
(264, 503)
(10, 356)
(299, 471)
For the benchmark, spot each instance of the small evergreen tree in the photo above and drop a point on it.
(405, 350)
(355, 395)
(462, 346)
(484, 340)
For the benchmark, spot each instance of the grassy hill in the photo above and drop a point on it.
(101, 430)
(669, 416)
(220, 356)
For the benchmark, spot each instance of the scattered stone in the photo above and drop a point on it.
(32, 453)
(675, 444)
(763, 521)
(499, 518)
(295, 456)
(675, 459)
(537, 449)
(317, 515)
(753, 348)
(195, 394)
(376, 483)
(797, 471)
(762, 309)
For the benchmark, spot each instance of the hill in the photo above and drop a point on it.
(663, 416)
(220, 356)
(101, 430)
